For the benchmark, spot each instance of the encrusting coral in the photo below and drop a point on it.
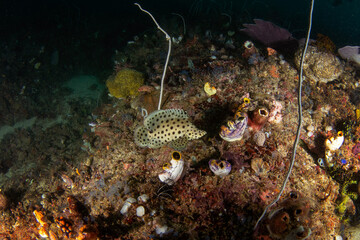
(125, 83)
(320, 66)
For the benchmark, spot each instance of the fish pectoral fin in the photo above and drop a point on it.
(152, 121)
(179, 144)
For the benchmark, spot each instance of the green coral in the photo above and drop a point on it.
(343, 205)
(346, 201)
(345, 192)
(125, 83)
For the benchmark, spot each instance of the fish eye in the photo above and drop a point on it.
(246, 100)
(340, 133)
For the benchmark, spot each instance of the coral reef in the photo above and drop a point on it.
(112, 173)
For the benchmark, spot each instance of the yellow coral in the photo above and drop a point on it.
(125, 83)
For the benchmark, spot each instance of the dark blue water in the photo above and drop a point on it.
(117, 21)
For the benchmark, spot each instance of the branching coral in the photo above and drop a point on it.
(168, 38)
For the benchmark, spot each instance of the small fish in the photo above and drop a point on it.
(170, 126)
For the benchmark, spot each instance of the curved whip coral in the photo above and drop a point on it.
(299, 119)
(168, 38)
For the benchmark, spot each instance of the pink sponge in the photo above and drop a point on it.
(351, 53)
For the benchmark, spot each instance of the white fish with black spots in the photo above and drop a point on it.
(170, 126)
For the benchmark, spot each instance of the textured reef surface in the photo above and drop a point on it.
(208, 163)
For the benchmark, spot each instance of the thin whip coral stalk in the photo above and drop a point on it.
(299, 120)
(168, 54)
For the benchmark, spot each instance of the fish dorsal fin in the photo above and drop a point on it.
(154, 119)
(179, 144)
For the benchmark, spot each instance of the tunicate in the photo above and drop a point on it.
(126, 205)
(338, 237)
(143, 198)
(334, 143)
(310, 128)
(328, 128)
(160, 230)
(321, 162)
(125, 208)
(259, 166)
(140, 211)
(173, 170)
(259, 138)
(220, 168)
